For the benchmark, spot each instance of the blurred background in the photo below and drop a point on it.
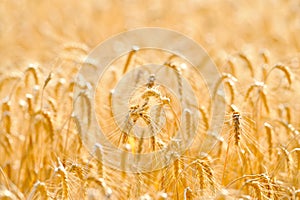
(33, 30)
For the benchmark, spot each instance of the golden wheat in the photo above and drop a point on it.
(43, 153)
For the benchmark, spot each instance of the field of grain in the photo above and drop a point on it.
(44, 153)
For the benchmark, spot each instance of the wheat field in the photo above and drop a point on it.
(255, 46)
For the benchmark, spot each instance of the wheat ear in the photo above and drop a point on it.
(129, 58)
(99, 155)
(297, 150)
(39, 187)
(178, 73)
(101, 182)
(231, 86)
(223, 77)
(257, 188)
(187, 194)
(6, 117)
(64, 180)
(204, 117)
(248, 62)
(230, 62)
(31, 70)
(284, 69)
(289, 160)
(76, 46)
(269, 132)
(265, 54)
(236, 122)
